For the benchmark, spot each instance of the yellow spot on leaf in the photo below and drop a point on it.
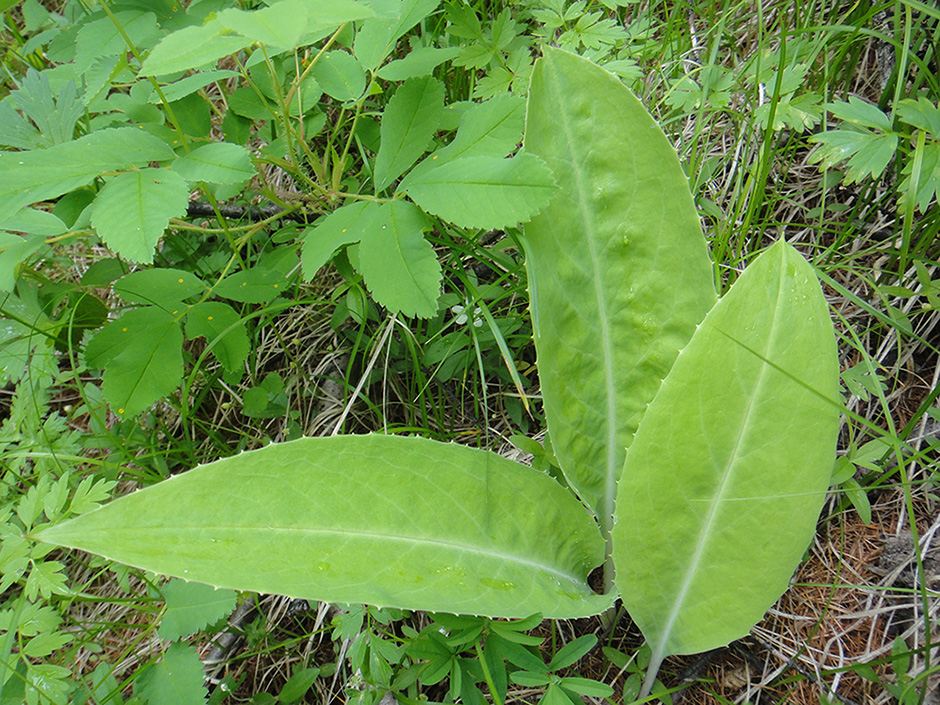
(120, 411)
(210, 318)
(180, 281)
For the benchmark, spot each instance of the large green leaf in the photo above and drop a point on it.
(163, 286)
(132, 210)
(733, 458)
(618, 271)
(484, 192)
(41, 174)
(409, 122)
(403, 522)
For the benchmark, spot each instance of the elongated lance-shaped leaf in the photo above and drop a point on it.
(733, 459)
(386, 520)
(618, 271)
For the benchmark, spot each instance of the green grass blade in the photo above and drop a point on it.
(386, 520)
(617, 265)
(733, 459)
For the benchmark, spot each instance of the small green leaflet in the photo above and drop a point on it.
(190, 84)
(920, 113)
(280, 25)
(867, 143)
(177, 679)
(298, 685)
(340, 75)
(42, 174)
(133, 209)
(191, 607)
(106, 37)
(928, 182)
(190, 48)
(398, 264)
(257, 285)
(484, 192)
(867, 153)
(493, 128)
(35, 222)
(410, 120)
(283, 25)
(141, 354)
(223, 329)
(217, 163)
(163, 287)
(858, 112)
(376, 37)
(490, 128)
(344, 226)
(24, 343)
(419, 62)
(14, 249)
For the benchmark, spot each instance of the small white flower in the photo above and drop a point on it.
(463, 317)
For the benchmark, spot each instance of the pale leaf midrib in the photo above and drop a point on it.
(659, 650)
(606, 506)
(356, 534)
